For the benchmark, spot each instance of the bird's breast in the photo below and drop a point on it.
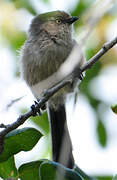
(43, 58)
(52, 56)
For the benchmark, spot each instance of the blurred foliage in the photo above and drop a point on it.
(28, 5)
(114, 108)
(81, 7)
(10, 32)
(104, 177)
(45, 1)
(101, 132)
(115, 178)
(42, 122)
(12, 36)
(84, 88)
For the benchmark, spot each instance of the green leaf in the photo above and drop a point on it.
(51, 170)
(30, 170)
(82, 173)
(101, 132)
(42, 122)
(8, 169)
(114, 108)
(19, 140)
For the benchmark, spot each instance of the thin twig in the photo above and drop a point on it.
(100, 53)
(52, 91)
(3, 125)
(12, 102)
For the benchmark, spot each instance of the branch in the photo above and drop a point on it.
(50, 92)
(100, 53)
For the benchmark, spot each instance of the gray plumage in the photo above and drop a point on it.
(48, 45)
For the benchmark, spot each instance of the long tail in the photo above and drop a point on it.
(61, 142)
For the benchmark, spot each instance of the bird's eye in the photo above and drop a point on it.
(58, 21)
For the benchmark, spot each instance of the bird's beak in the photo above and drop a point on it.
(72, 19)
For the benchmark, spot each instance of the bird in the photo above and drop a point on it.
(49, 43)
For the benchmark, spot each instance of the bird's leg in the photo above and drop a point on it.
(76, 74)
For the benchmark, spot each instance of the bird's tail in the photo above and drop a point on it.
(61, 142)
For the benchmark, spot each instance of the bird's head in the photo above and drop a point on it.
(55, 23)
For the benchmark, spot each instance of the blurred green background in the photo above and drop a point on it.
(98, 91)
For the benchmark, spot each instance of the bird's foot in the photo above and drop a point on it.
(77, 73)
(81, 77)
(37, 111)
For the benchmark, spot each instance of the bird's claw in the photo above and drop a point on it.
(37, 111)
(81, 77)
(77, 74)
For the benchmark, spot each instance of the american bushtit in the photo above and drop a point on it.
(48, 45)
